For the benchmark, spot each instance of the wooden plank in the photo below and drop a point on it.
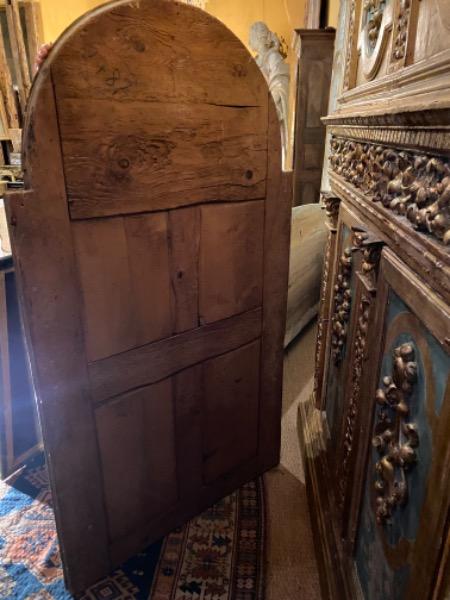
(308, 241)
(230, 411)
(125, 279)
(188, 390)
(6, 88)
(148, 252)
(143, 366)
(137, 447)
(157, 51)
(231, 259)
(50, 303)
(35, 33)
(277, 224)
(18, 51)
(102, 256)
(152, 530)
(184, 228)
(159, 155)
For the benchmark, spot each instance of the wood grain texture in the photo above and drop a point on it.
(148, 252)
(19, 53)
(308, 240)
(188, 397)
(184, 226)
(231, 260)
(137, 448)
(51, 309)
(157, 155)
(156, 51)
(277, 226)
(230, 411)
(149, 363)
(124, 272)
(165, 186)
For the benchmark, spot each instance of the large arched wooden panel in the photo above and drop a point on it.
(151, 245)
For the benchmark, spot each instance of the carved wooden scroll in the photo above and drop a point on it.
(395, 437)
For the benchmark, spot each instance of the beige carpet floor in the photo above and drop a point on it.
(291, 569)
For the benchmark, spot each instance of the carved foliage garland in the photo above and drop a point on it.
(373, 11)
(395, 437)
(331, 205)
(371, 254)
(401, 30)
(412, 185)
(342, 305)
(350, 45)
(352, 411)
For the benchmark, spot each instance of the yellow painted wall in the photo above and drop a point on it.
(57, 15)
(282, 16)
(333, 12)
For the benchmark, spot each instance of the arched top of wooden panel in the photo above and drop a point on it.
(153, 96)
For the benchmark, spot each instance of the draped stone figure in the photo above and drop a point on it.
(267, 46)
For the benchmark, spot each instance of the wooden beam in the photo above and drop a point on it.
(19, 51)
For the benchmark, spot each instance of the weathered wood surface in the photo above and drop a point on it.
(163, 223)
(49, 294)
(146, 364)
(308, 237)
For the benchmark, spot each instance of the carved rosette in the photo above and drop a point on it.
(395, 437)
(412, 185)
(342, 301)
(401, 30)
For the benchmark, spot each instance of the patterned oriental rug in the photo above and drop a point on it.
(218, 555)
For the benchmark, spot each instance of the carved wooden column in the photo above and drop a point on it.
(331, 205)
(367, 251)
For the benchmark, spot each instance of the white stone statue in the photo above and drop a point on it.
(199, 3)
(267, 46)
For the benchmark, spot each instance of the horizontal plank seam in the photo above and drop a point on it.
(150, 211)
(204, 327)
(120, 395)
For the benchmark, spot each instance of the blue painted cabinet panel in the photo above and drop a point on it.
(408, 427)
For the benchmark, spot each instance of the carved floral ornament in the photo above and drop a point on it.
(395, 437)
(342, 301)
(412, 185)
(373, 17)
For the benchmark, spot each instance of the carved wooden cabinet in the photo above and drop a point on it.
(376, 433)
(314, 49)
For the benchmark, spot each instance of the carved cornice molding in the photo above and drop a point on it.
(409, 184)
(395, 438)
(436, 139)
(403, 95)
